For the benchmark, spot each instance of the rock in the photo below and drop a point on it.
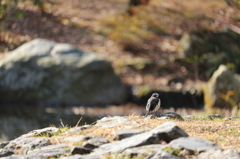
(16, 157)
(189, 117)
(219, 154)
(49, 151)
(95, 142)
(80, 150)
(109, 122)
(49, 131)
(196, 145)
(170, 115)
(90, 156)
(232, 118)
(134, 141)
(222, 89)
(145, 150)
(122, 134)
(27, 144)
(160, 154)
(214, 116)
(169, 131)
(3, 144)
(6, 152)
(46, 73)
(166, 132)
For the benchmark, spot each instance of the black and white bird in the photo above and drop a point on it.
(153, 104)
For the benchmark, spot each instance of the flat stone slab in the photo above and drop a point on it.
(128, 133)
(49, 151)
(142, 150)
(193, 144)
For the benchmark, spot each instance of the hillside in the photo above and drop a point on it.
(142, 47)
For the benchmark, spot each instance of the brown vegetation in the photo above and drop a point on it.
(224, 133)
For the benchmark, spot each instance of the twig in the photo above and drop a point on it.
(61, 123)
(78, 122)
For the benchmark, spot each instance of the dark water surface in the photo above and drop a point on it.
(18, 120)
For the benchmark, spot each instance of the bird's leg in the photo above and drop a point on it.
(147, 114)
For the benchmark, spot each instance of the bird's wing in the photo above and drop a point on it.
(153, 103)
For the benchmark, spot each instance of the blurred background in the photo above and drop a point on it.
(187, 51)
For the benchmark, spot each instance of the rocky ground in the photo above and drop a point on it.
(166, 135)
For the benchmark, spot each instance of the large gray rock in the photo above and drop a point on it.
(48, 73)
(222, 89)
(165, 132)
(169, 131)
(219, 154)
(196, 145)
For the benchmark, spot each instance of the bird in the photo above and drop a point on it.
(153, 104)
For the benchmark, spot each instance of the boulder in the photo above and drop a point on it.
(47, 73)
(169, 131)
(222, 90)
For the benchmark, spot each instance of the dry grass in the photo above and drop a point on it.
(225, 134)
